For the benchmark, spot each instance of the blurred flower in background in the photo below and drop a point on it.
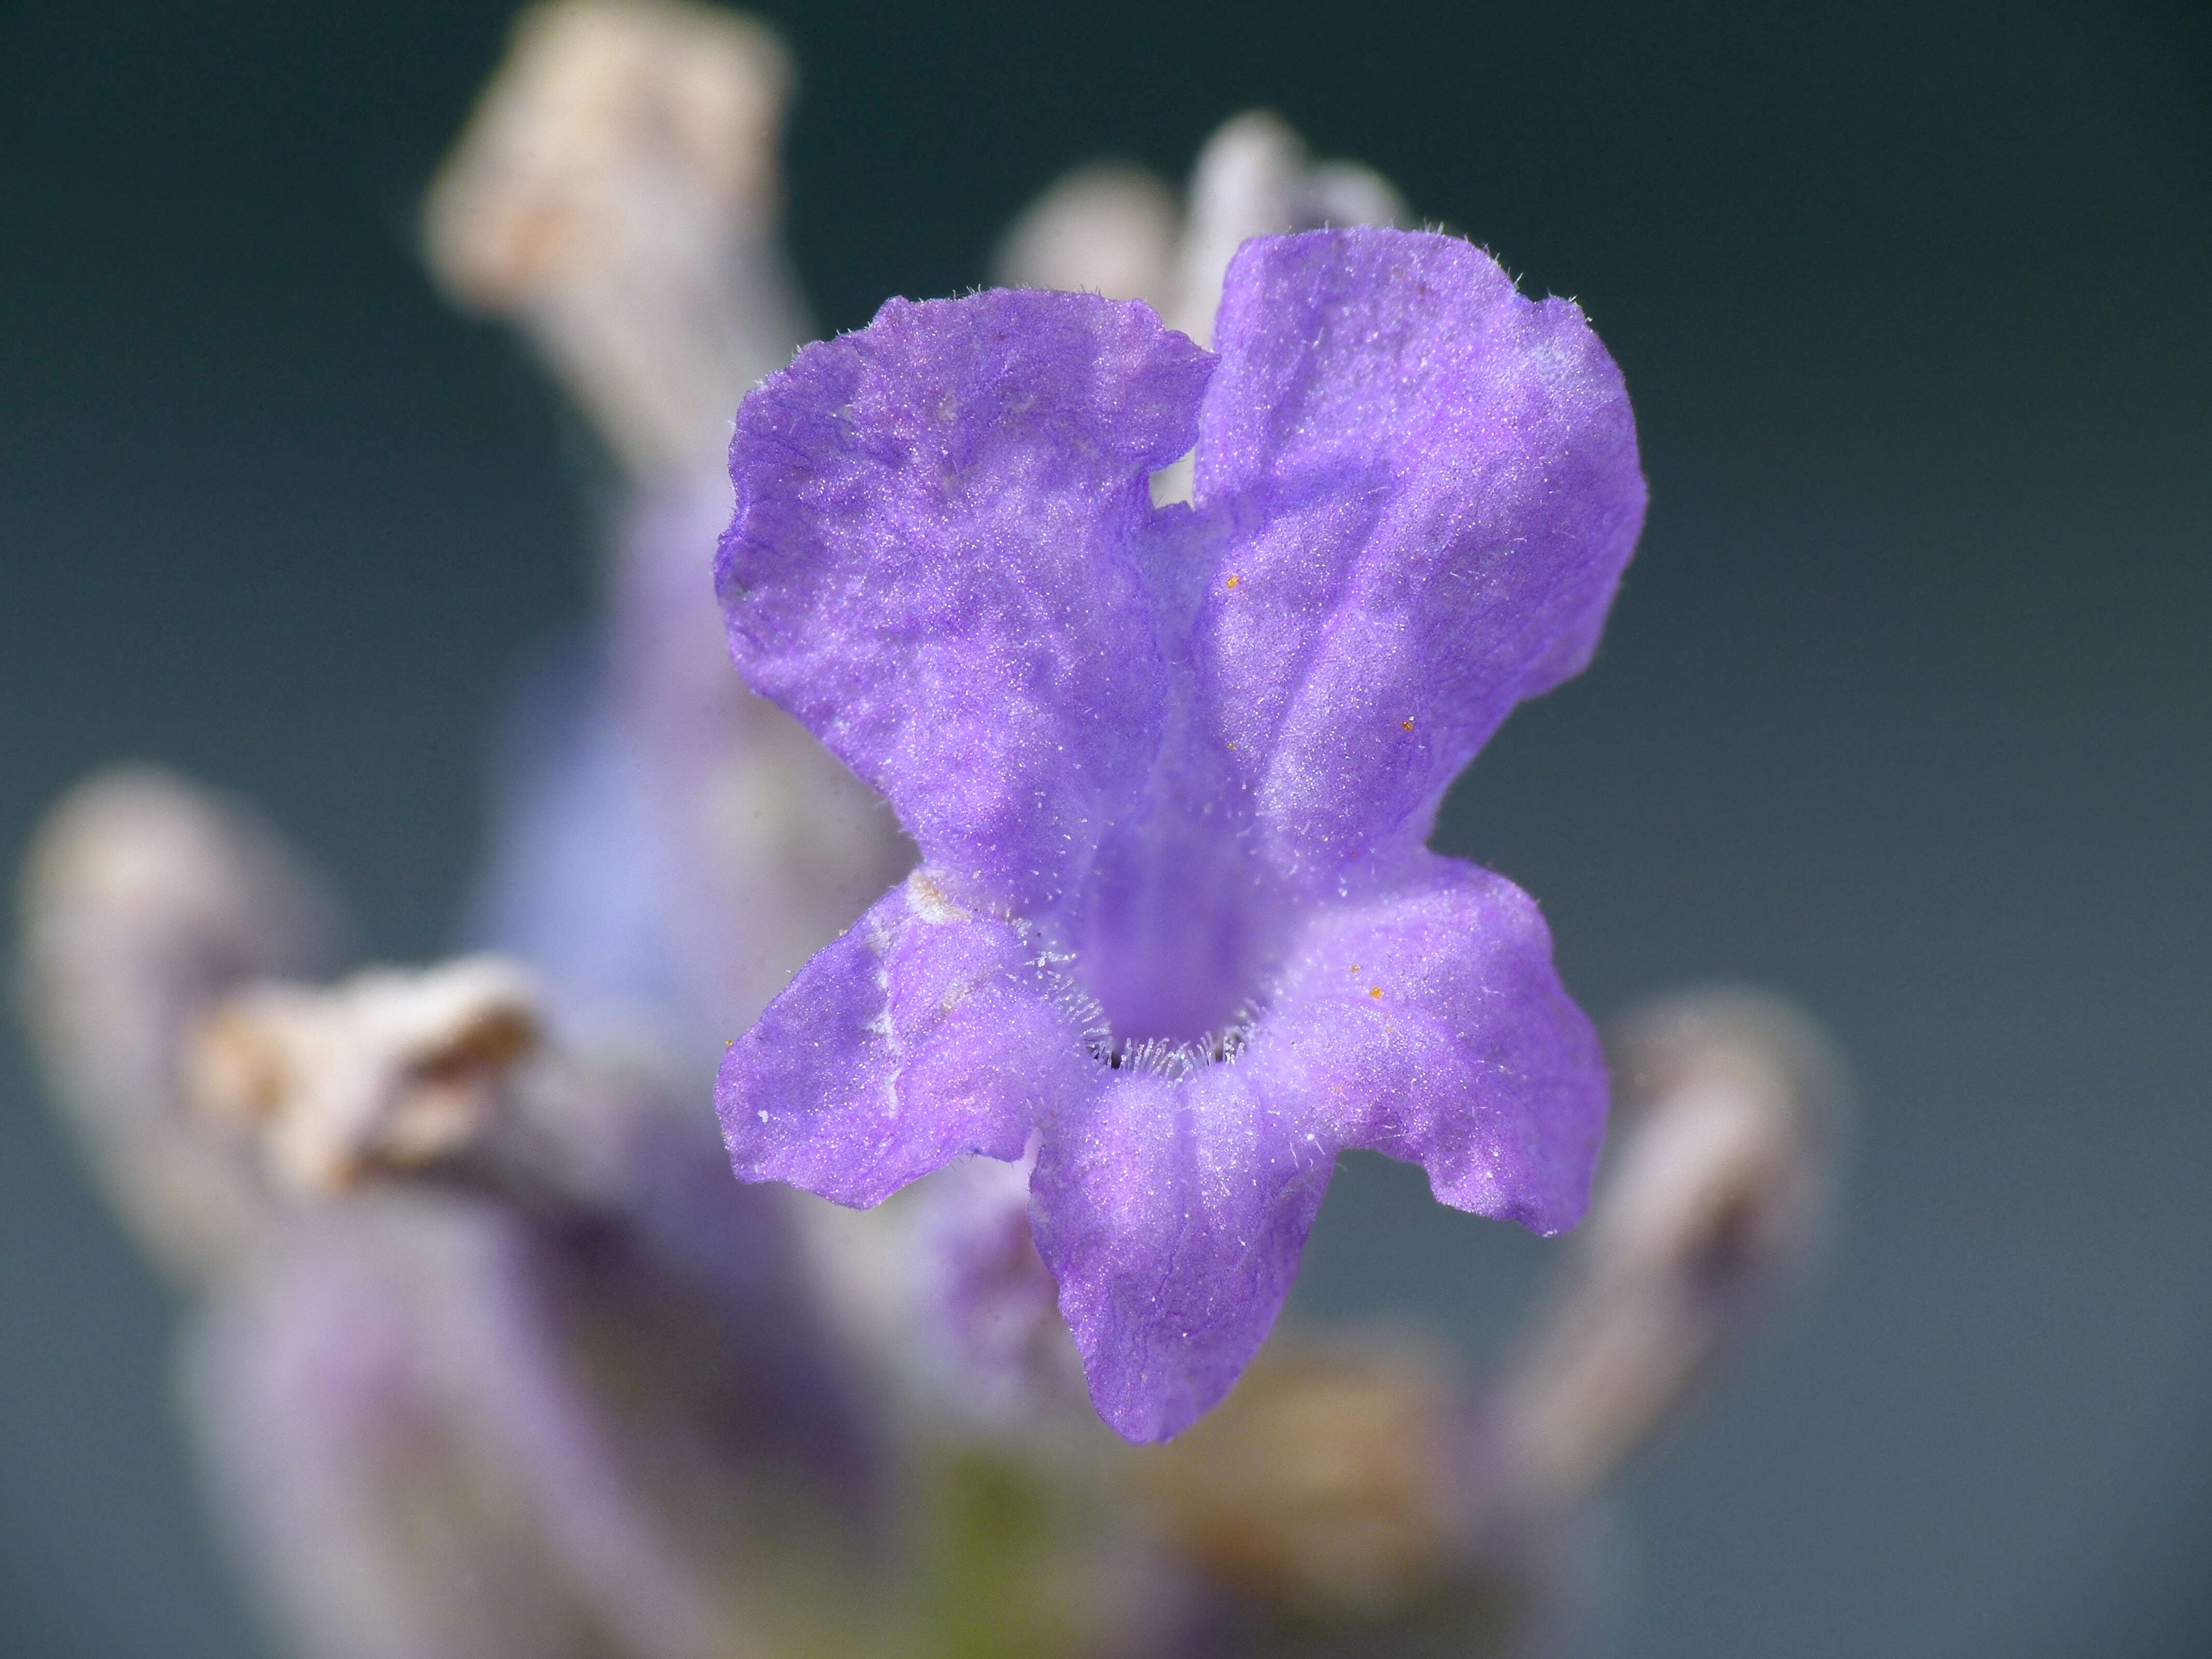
(490, 1355)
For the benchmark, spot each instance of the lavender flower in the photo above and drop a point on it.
(1171, 769)
(488, 1357)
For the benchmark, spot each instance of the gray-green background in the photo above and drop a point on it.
(1904, 709)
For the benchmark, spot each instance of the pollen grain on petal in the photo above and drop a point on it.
(931, 902)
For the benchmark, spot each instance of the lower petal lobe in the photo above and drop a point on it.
(1424, 1022)
(1172, 1215)
(922, 1035)
(1429, 1024)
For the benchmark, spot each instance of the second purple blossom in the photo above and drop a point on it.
(1172, 769)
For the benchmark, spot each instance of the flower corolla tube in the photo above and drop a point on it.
(1171, 769)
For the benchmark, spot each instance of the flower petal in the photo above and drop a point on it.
(1427, 486)
(1427, 1023)
(1172, 1214)
(1430, 1024)
(923, 1034)
(935, 565)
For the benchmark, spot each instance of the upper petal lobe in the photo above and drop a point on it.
(1427, 488)
(933, 564)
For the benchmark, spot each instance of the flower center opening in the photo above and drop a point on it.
(1173, 974)
(1168, 1059)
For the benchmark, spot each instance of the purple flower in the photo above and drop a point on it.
(1171, 771)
